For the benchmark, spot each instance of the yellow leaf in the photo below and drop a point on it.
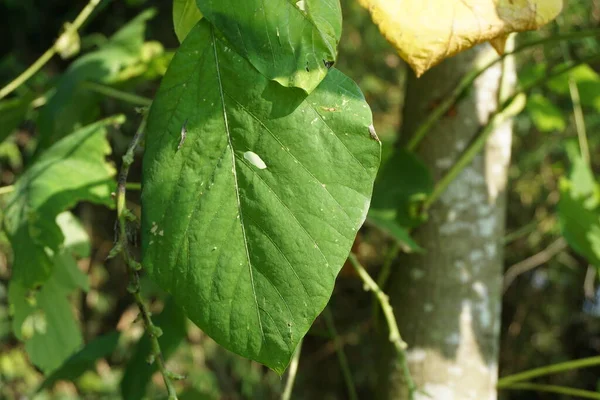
(427, 31)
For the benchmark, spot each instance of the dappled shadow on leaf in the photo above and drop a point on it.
(283, 100)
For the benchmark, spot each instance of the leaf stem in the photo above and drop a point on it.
(117, 94)
(508, 109)
(548, 370)
(339, 349)
(388, 312)
(289, 385)
(133, 266)
(44, 58)
(468, 80)
(572, 392)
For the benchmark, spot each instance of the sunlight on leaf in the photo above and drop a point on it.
(427, 31)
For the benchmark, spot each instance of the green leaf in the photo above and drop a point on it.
(545, 115)
(82, 361)
(248, 221)
(138, 372)
(45, 322)
(402, 184)
(185, 16)
(72, 170)
(291, 42)
(386, 221)
(71, 105)
(588, 84)
(579, 210)
(12, 112)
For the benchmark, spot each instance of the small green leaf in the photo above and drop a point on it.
(185, 16)
(72, 170)
(588, 84)
(82, 361)
(386, 221)
(291, 42)
(402, 184)
(251, 249)
(138, 371)
(545, 115)
(579, 210)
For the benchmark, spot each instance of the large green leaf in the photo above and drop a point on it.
(72, 170)
(293, 42)
(138, 373)
(82, 361)
(249, 217)
(72, 105)
(579, 210)
(185, 16)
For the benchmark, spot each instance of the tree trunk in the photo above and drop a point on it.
(447, 300)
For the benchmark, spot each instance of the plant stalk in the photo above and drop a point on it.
(384, 301)
(133, 266)
(48, 54)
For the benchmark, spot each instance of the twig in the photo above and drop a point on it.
(133, 267)
(44, 58)
(388, 312)
(117, 94)
(571, 392)
(589, 283)
(129, 185)
(289, 385)
(341, 355)
(468, 80)
(533, 262)
(507, 110)
(548, 370)
(382, 278)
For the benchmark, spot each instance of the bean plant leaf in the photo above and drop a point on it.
(427, 31)
(138, 373)
(72, 170)
(252, 195)
(185, 16)
(579, 210)
(293, 42)
(82, 361)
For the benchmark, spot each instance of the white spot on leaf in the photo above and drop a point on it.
(255, 160)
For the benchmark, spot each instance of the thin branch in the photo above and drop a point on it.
(44, 58)
(133, 267)
(388, 312)
(468, 80)
(533, 262)
(572, 392)
(506, 111)
(548, 370)
(129, 185)
(589, 284)
(339, 349)
(117, 94)
(293, 370)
